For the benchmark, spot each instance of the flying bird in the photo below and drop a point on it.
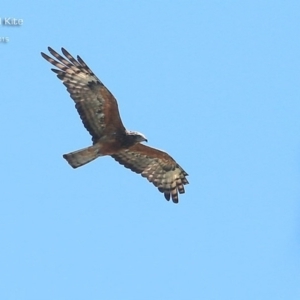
(98, 110)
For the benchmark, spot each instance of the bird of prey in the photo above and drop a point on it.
(98, 110)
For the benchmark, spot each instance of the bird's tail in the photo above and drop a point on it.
(83, 156)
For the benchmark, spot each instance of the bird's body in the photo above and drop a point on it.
(98, 110)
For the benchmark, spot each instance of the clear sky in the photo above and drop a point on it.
(214, 83)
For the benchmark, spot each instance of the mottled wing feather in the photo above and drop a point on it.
(157, 166)
(97, 107)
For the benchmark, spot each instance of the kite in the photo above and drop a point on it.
(98, 110)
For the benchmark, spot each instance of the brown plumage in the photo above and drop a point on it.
(98, 110)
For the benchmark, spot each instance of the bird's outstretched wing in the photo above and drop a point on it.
(157, 166)
(97, 107)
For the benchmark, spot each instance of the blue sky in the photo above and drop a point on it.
(214, 83)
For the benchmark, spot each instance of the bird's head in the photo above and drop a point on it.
(136, 137)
